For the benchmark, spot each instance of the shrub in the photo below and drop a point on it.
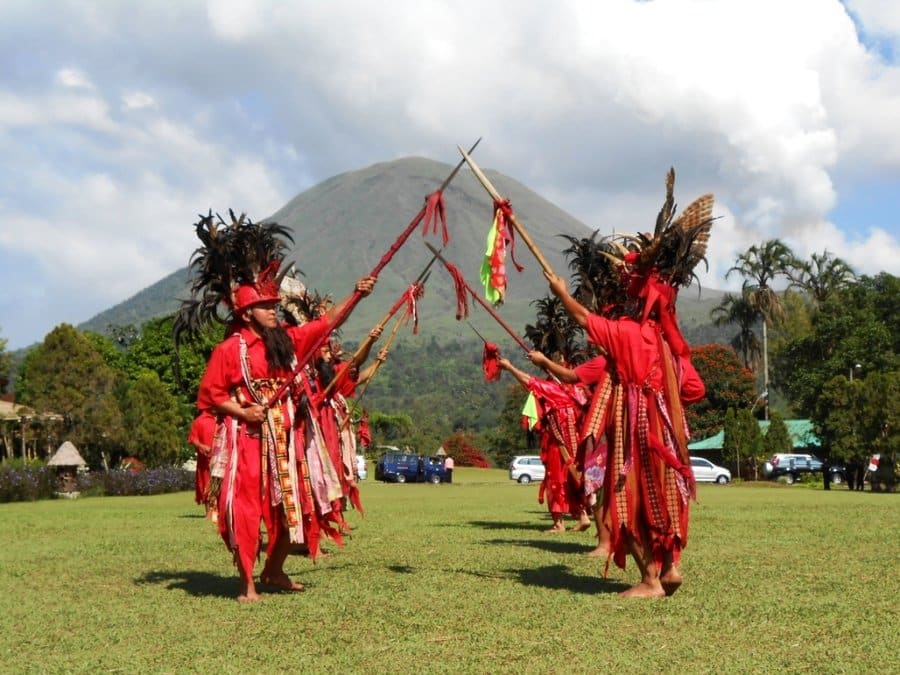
(121, 482)
(464, 453)
(22, 481)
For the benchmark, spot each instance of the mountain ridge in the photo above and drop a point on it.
(343, 225)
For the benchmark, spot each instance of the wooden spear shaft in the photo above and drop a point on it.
(481, 301)
(369, 340)
(492, 191)
(356, 296)
(403, 320)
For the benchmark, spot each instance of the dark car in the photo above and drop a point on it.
(403, 467)
(793, 465)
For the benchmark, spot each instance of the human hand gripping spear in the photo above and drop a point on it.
(408, 295)
(379, 360)
(431, 212)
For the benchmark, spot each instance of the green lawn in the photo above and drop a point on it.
(454, 578)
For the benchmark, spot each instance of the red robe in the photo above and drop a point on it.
(252, 489)
(649, 480)
(201, 437)
(558, 412)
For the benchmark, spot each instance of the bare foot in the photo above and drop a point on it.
(599, 552)
(247, 598)
(582, 526)
(645, 589)
(556, 529)
(671, 580)
(282, 581)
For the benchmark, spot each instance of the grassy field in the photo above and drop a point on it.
(454, 578)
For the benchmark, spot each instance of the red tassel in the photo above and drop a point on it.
(462, 292)
(434, 210)
(490, 362)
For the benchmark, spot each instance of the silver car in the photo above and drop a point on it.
(526, 468)
(707, 472)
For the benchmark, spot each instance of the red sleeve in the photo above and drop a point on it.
(223, 373)
(308, 335)
(692, 387)
(593, 371)
(346, 387)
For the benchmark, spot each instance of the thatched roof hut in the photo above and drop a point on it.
(67, 455)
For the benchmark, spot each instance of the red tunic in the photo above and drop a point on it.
(201, 437)
(254, 495)
(649, 480)
(558, 412)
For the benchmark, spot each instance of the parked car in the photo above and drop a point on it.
(404, 467)
(362, 470)
(526, 468)
(793, 465)
(707, 472)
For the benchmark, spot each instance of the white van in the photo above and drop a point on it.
(526, 468)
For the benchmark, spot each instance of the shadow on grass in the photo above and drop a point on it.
(507, 525)
(198, 584)
(206, 585)
(558, 577)
(550, 544)
(192, 515)
(401, 569)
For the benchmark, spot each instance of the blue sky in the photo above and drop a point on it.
(119, 122)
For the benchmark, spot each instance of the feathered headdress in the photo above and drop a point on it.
(236, 265)
(677, 244)
(653, 267)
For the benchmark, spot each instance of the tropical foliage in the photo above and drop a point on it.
(5, 365)
(728, 385)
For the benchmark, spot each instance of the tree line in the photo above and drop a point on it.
(823, 346)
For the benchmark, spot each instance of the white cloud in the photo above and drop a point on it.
(136, 100)
(781, 109)
(73, 78)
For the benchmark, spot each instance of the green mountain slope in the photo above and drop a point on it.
(344, 225)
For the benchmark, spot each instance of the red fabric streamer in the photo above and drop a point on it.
(504, 215)
(412, 295)
(434, 210)
(462, 291)
(490, 362)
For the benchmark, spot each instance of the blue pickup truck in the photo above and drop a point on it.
(404, 467)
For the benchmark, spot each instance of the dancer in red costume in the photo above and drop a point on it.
(330, 425)
(559, 408)
(595, 375)
(649, 479)
(267, 476)
(201, 437)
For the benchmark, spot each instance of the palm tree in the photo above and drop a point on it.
(760, 265)
(595, 277)
(822, 276)
(737, 309)
(554, 332)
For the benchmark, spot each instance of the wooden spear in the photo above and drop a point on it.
(481, 301)
(369, 341)
(401, 321)
(356, 296)
(492, 191)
